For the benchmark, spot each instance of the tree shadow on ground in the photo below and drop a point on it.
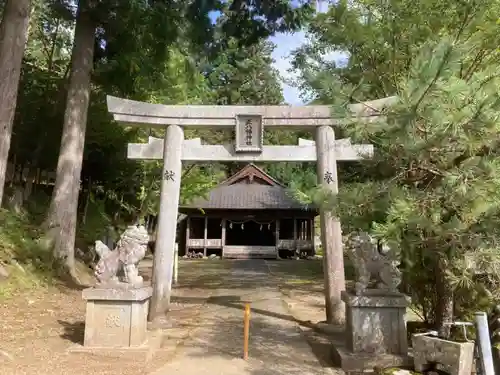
(298, 275)
(214, 274)
(277, 345)
(321, 346)
(236, 302)
(268, 334)
(304, 275)
(73, 332)
(275, 348)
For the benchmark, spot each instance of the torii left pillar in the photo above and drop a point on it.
(167, 221)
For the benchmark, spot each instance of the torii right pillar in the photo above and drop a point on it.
(331, 232)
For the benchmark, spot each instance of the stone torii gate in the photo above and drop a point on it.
(249, 123)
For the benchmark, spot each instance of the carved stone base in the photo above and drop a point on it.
(375, 323)
(366, 362)
(116, 317)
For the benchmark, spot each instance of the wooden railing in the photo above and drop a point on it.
(201, 243)
(292, 244)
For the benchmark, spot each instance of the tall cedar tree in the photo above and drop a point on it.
(62, 216)
(13, 34)
(93, 16)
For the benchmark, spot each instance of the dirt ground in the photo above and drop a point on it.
(37, 328)
(301, 283)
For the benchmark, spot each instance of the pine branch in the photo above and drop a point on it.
(466, 20)
(485, 150)
(474, 64)
(437, 75)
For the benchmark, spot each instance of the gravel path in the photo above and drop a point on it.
(215, 345)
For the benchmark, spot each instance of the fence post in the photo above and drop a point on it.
(484, 343)
(246, 330)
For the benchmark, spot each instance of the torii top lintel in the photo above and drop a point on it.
(131, 112)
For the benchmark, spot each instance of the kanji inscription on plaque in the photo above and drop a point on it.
(248, 134)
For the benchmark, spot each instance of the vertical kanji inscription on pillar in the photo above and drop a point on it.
(169, 175)
(328, 177)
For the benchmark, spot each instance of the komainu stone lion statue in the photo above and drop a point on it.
(373, 262)
(129, 250)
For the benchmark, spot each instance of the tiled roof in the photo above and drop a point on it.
(248, 197)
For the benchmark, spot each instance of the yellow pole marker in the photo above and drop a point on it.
(246, 330)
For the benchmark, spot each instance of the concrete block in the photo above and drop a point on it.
(455, 358)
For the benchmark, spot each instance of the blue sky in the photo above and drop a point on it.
(286, 43)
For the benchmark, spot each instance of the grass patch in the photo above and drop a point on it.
(297, 271)
(306, 269)
(204, 273)
(29, 264)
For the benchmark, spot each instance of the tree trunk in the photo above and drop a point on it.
(62, 215)
(13, 33)
(444, 291)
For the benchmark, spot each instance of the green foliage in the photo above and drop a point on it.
(96, 224)
(437, 192)
(431, 189)
(164, 52)
(252, 21)
(197, 181)
(245, 75)
(381, 40)
(27, 262)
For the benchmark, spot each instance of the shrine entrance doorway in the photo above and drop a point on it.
(251, 233)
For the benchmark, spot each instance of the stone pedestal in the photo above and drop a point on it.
(375, 333)
(116, 317)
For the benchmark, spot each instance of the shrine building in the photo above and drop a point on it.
(249, 215)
